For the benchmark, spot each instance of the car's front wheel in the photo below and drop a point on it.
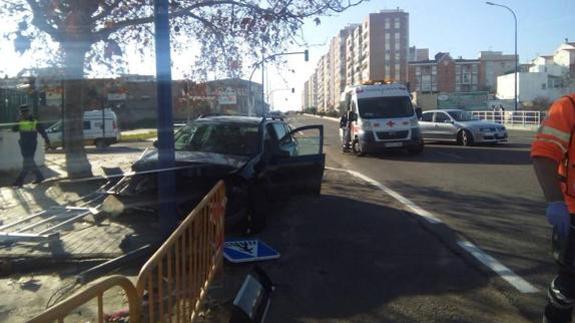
(256, 213)
(465, 138)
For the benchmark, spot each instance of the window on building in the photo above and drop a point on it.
(417, 70)
(397, 75)
(474, 79)
(434, 87)
(434, 70)
(387, 56)
(543, 86)
(387, 24)
(397, 24)
(396, 37)
(397, 45)
(387, 36)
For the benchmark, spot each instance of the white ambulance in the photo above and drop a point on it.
(381, 117)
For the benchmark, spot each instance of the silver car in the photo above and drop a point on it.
(459, 126)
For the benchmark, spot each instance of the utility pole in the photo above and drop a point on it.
(166, 179)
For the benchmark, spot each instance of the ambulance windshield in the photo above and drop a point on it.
(385, 107)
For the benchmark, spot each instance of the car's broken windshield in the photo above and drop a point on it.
(230, 139)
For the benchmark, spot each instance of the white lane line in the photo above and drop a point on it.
(504, 272)
(412, 206)
(507, 274)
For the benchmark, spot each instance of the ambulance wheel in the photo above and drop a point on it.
(358, 149)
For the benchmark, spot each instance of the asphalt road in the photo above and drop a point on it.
(485, 194)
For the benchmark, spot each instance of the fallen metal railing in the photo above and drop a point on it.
(173, 282)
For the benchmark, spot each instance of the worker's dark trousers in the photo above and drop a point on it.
(561, 293)
(28, 165)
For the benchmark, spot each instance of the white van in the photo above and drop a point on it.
(100, 129)
(382, 117)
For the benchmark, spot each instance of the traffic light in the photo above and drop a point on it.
(306, 55)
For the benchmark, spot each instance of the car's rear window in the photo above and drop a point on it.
(239, 139)
(385, 107)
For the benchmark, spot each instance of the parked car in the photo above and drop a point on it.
(459, 126)
(258, 159)
(100, 129)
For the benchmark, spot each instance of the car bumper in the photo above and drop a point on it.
(491, 137)
(370, 145)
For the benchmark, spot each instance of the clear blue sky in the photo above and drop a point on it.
(461, 27)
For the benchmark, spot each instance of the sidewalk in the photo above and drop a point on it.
(94, 236)
(355, 255)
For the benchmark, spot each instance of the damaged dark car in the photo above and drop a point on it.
(259, 159)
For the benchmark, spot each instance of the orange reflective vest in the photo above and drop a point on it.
(554, 140)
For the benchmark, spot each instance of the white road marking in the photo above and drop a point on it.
(507, 274)
(412, 206)
(504, 272)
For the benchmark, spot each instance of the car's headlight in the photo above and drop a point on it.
(366, 126)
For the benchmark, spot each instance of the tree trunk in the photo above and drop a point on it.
(77, 164)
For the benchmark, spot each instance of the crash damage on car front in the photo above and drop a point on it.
(196, 173)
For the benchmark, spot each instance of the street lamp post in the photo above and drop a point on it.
(516, 57)
(262, 64)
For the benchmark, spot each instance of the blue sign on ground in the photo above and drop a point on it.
(246, 250)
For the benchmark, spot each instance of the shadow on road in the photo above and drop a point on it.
(486, 155)
(354, 255)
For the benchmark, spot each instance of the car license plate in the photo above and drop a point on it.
(393, 144)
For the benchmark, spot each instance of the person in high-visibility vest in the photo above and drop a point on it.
(553, 153)
(29, 128)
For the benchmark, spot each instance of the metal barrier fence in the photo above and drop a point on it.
(174, 280)
(95, 290)
(513, 118)
(172, 283)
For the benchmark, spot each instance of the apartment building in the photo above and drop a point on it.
(376, 49)
(445, 74)
(338, 50)
(547, 76)
(417, 54)
(385, 46)
(494, 64)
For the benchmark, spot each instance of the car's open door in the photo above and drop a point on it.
(306, 161)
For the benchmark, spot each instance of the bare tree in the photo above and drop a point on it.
(95, 31)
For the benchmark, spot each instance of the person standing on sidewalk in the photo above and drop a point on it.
(29, 129)
(553, 153)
